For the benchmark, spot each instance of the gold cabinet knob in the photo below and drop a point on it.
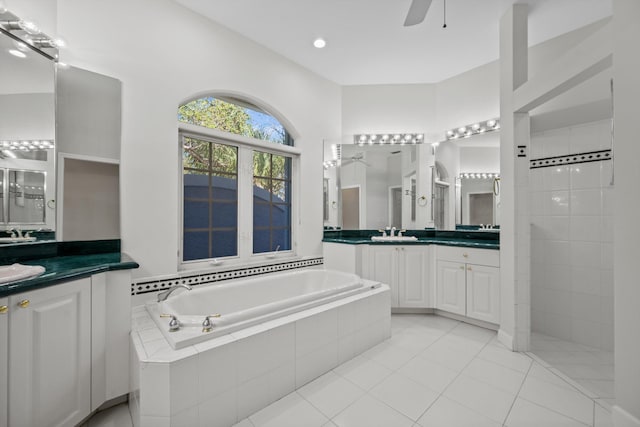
(24, 303)
(3, 309)
(468, 268)
(462, 267)
(466, 255)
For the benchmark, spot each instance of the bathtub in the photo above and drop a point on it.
(240, 304)
(276, 333)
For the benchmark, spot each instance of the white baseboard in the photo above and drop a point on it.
(622, 418)
(505, 339)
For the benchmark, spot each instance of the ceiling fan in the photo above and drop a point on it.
(417, 12)
(356, 158)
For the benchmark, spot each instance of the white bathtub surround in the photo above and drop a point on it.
(572, 238)
(228, 378)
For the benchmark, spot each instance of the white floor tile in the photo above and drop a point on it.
(446, 412)
(483, 398)
(443, 354)
(540, 372)
(363, 372)
(505, 357)
(602, 417)
(428, 355)
(391, 355)
(501, 377)
(244, 423)
(570, 403)
(116, 416)
(527, 414)
(331, 393)
(292, 410)
(370, 412)
(431, 374)
(404, 395)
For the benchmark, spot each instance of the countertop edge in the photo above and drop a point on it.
(45, 281)
(424, 241)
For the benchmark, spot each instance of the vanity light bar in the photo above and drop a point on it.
(388, 138)
(27, 144)
(484, 175)
(473, 129)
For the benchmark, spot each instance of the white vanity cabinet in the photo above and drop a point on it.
(50, 355)
(64, 350)
(405, 268)
(468, 282)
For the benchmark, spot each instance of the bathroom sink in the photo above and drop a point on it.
(394, 238)
(16, 239)
(15, 272)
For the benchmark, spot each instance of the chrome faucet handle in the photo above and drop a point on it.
(393, 231)
(174, 324)
(401, 231)
(207, 324)
(384, 233)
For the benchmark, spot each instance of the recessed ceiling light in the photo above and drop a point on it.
(17, 53)
(319, 43)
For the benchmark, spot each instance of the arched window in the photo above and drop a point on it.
(234, 116)
(237, 181)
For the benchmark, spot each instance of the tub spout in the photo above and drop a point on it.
(162, 296)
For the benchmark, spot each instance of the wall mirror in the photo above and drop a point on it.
(373, 186)
(472, 169)
(55, 122)
(27, 135)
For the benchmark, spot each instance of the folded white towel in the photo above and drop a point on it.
(15, 272)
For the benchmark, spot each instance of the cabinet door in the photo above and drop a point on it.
(483, 293)
(450, 287)
(383, 268)
(413, 275)
(4, 358)
(49, 354)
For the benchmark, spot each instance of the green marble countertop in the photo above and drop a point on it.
(473, 239)
(64, 262)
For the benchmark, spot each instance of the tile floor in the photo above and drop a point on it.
(591, 368)
(432, 372)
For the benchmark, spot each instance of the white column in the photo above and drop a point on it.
(626, 69)
(514, 235)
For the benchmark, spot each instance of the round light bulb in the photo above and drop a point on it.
(319, 43)
(475, 126)
(491, 123)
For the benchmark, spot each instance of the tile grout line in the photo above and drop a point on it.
(456, 377)
(518, 393)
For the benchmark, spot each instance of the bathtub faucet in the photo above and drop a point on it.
(162, 296)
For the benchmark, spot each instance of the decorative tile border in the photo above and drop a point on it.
(201, 279)
(592, 156)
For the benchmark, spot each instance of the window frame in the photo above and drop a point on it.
(246, 146)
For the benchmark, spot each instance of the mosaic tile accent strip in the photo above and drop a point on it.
(592, 156)
(201, 279)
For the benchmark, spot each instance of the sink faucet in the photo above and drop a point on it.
(162, 296)
(393, 231)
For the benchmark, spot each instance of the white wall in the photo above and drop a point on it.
(480, 159)
(164, 55)
(572, 238)
(27, 116)
(627, 205)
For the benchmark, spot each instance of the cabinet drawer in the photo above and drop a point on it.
(490, 257)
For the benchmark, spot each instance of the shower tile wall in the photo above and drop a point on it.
(571, 238)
